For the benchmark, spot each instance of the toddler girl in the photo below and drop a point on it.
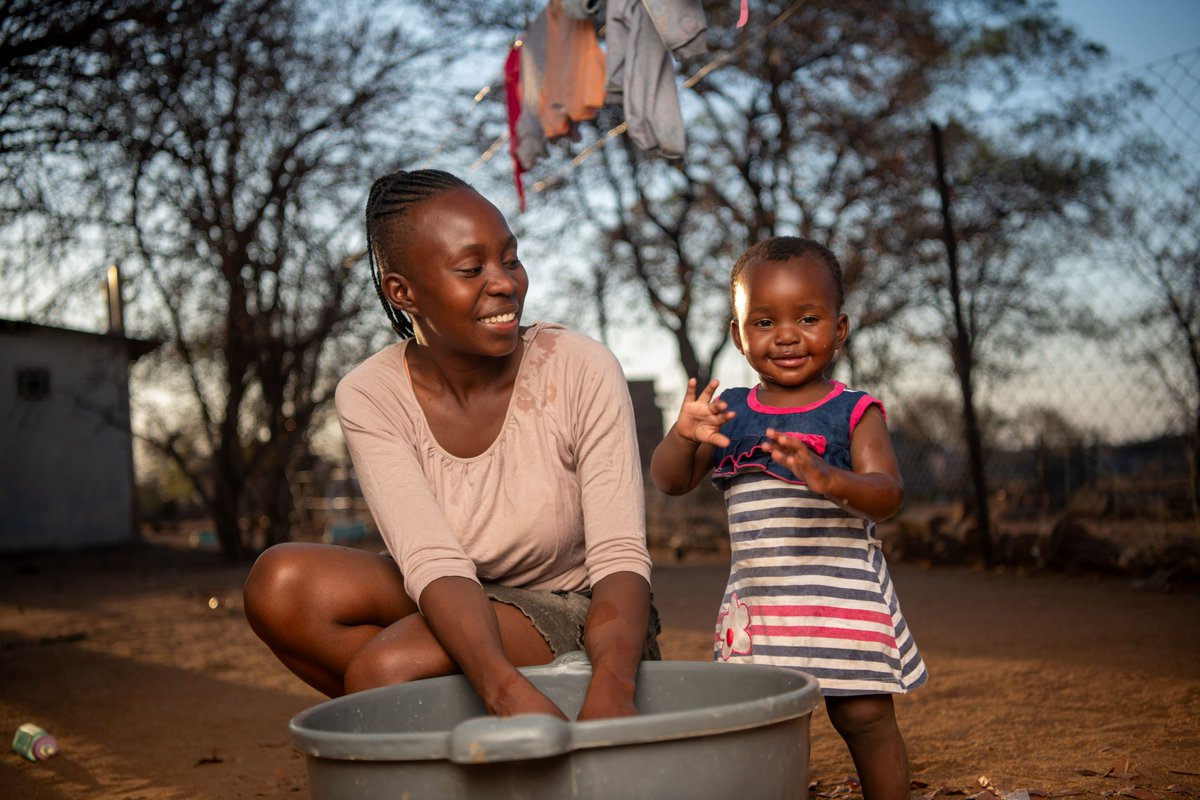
(807, 468)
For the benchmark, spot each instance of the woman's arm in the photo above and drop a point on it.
(384, 447)
(873, 489)
(460, 615)
(614, 637)
(614, 529)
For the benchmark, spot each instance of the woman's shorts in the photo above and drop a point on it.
(560, 616)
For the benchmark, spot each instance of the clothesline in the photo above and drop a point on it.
(620, 128)
(699, 75)
(478, 98)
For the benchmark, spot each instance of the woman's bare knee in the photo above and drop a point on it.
(275, 584)
(302, 584)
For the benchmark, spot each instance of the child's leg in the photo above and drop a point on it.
(868, 724)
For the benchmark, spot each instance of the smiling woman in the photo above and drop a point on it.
(500, 463)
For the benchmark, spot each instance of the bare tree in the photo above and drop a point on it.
(1013, 198)
(49, 50)
(263, 160)
(228, 161)
(52, 54)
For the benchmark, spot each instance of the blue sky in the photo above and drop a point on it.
(1137, 31)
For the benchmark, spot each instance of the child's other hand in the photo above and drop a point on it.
(701, 418)
(803, 462)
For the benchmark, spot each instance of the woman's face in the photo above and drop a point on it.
(462, 282)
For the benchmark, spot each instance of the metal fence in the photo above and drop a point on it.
(1090, 446)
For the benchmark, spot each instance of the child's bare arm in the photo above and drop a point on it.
(874, 487)
(681, 459)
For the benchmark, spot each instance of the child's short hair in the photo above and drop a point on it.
(783, 248)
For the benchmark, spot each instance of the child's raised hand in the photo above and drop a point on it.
(803, 462)
(700, 418)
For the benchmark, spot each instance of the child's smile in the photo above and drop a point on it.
(790, 360)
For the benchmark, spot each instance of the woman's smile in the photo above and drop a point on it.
(504, 319)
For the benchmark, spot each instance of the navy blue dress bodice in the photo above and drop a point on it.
(825, 426)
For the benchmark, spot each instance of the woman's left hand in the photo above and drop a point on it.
(608, 696)
(614, 637)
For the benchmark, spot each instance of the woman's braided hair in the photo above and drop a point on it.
(390, 197)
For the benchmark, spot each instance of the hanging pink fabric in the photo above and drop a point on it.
(512, 96)
(745, 15)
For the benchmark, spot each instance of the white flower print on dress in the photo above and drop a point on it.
(734, 624)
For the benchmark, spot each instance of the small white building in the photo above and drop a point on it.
(66, 450)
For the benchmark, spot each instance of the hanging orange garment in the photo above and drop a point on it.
(573, 82)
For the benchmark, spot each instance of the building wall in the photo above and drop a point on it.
(65, 446)
(648, 418)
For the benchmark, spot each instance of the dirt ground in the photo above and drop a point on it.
(141, 663)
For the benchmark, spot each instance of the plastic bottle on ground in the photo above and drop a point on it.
(34, 742)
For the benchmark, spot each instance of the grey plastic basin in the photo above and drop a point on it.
(706, 730)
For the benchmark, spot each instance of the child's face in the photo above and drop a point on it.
(787, 324)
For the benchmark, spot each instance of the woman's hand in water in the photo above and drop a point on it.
(608, 696)
(516, 695)
(614, 637)
(701, 418)
(460, 616)
(803, 462)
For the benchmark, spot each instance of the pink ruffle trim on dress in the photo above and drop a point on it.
(737, 463)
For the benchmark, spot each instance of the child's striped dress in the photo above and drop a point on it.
(808, 586)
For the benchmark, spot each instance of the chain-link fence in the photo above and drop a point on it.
(1090, 445)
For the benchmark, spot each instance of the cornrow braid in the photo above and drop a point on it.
(783, 248)
(389, 199)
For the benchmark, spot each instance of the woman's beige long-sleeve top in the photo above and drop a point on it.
(556, 502)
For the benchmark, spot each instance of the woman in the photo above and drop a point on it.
(500, 463)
